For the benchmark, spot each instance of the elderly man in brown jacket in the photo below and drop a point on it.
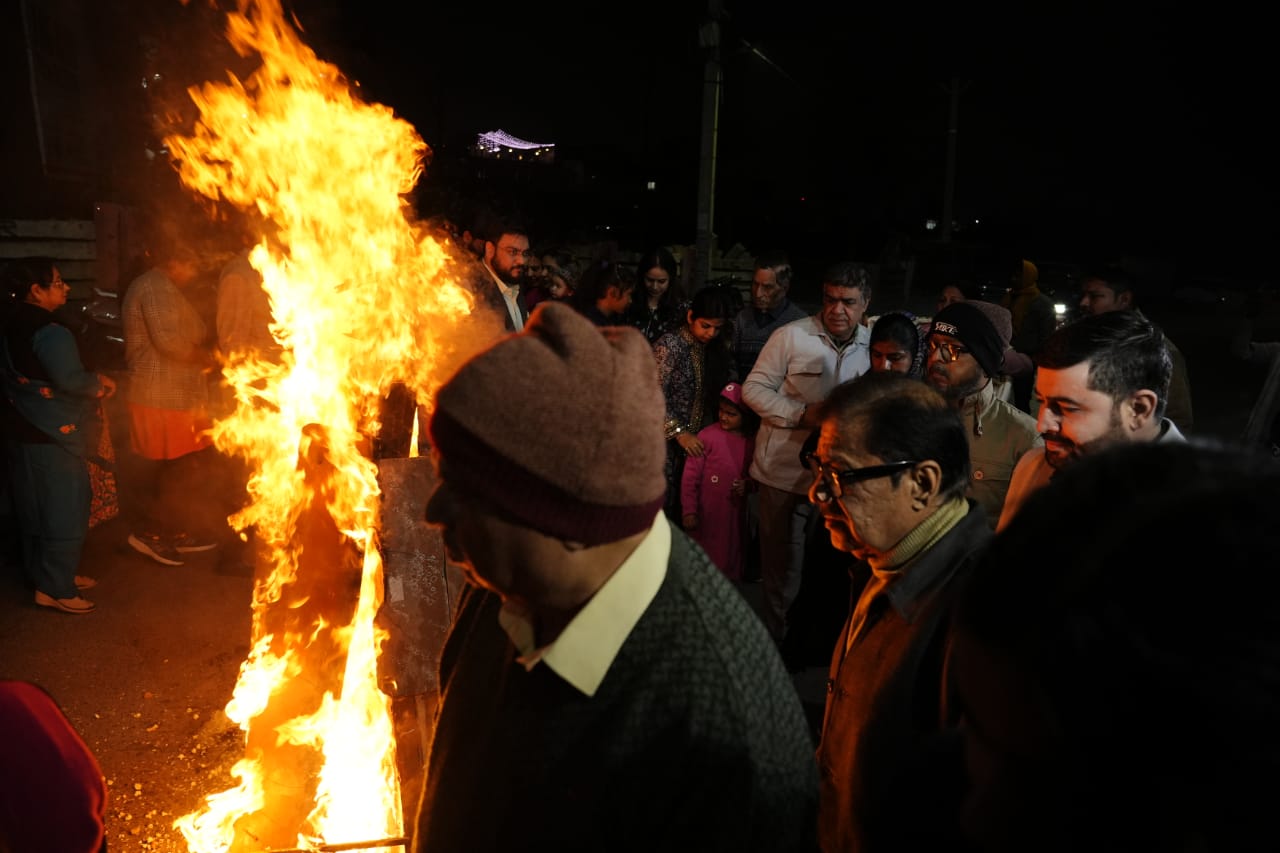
(892, 466)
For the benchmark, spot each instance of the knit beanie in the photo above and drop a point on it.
(1014, 363)
(559, 427)
(999, 317)
(968, 324)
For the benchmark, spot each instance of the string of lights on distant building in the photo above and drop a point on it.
(500, 145)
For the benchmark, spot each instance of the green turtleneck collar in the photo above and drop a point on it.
(922, 537)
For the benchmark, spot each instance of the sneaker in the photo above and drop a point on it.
(155, 548)
(66, 605)
(185, 543)
(83, 583)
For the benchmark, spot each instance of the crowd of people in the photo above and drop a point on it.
(946, 468)
(982, 497)
(66, 469)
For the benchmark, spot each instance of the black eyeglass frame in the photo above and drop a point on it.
(832, 483)
(947, 352)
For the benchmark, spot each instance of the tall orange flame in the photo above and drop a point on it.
(362, 298)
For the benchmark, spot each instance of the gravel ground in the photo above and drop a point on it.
(144, 678)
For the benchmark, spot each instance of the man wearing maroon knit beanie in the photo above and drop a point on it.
(604, 686)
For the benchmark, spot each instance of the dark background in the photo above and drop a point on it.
(1142, 134)
(1079, 133)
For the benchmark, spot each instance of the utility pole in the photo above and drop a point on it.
(949, 192)
(712, 76)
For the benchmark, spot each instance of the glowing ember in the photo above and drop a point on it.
(362, 298)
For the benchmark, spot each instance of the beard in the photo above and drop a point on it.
(1060, 450)
(511, 276)
(940, 380)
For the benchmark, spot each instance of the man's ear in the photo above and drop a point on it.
(925, 482)
(1140, 409)
(489, 251)
(1125, 300)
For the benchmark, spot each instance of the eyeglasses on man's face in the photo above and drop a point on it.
(514, 252)
(829, 484)
(947, 351)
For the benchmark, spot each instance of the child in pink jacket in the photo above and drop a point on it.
(714, 486)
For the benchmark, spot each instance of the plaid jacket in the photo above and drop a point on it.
(164, 345)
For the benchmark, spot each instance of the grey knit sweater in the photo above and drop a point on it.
(695, 740)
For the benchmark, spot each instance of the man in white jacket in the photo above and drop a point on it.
(799, 365)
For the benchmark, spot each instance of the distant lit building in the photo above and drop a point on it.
(500, 145)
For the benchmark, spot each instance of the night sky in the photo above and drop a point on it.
(1078, 134)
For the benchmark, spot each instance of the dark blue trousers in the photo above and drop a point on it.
(51, 497)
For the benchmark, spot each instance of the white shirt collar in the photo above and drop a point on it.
(510, 295)
(587, 646)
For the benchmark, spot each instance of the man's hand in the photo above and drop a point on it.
(690, 521)
(108, 386)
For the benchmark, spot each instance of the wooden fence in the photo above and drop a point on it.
(71, 243)
(88, 252)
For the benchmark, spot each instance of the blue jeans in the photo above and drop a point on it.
(51, 497)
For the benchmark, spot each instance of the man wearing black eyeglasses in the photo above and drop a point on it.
(506, 250)
(892, 466)
(965, 356)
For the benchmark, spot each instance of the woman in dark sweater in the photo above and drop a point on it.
(49, 402)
